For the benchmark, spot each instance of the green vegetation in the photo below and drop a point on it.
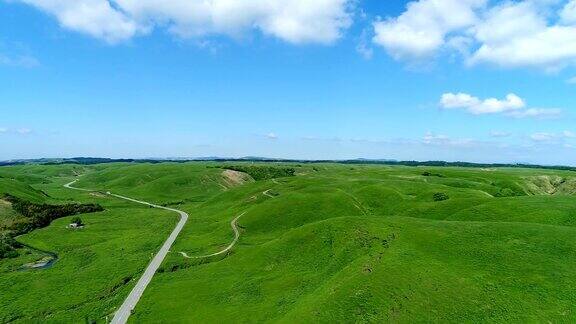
(431, 174)
(8, 246)
(77, 220)
(440, 196)
(41, 215)
(327, 243)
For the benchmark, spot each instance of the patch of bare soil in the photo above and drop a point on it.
(234, 178)
(97, 194)
(5, 204)
(551, 185)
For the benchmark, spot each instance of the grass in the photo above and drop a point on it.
(333, 244)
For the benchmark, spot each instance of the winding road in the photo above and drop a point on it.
(228, 248)
(122, 314)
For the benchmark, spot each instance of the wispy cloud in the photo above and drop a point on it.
(500, 134)
(24, 131)
(272, 136)
(542, 137)
(444, 140)
(16, 131)
(364, 47)
(553, 137)
(24, 61)
(569, 134)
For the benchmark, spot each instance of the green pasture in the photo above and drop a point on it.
(334, 243)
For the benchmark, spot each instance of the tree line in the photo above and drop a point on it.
(36, 216)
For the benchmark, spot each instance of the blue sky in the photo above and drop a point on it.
(337, 79)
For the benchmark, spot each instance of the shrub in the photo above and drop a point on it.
(440, 196)
(8, 246)
(430, 174)
(77, 220)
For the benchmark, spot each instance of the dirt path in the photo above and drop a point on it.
(267, 193)
(122, 314)
(234, 226)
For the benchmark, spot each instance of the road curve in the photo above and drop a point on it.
(228, 248)
(122, 314)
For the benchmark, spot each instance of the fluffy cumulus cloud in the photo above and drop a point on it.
(294, 21)
(94, 17)
(423, 28)
(512, 106)
(528, 33)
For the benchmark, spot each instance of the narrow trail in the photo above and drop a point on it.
(267, 193)
(122, 314)
(234, 226)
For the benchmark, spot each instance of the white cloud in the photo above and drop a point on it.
(443, 140)
(477, 106)
(423, 28)
(569, 134)
(24, 61)
(549, 137)
(364, 47)
(24, 131)
(294, 21)
(97, 18)
(512, 106)
(500, 134)
(3, 130)
(571, 80)
(529, 33)
(272, 136)
(542, 137)
(568, 13)
(539, 113)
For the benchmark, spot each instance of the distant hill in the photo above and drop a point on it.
(93, 160)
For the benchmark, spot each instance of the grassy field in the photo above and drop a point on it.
(335, 243)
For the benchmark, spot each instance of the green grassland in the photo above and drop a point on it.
(334, 243)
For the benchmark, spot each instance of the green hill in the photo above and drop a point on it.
(334, 243)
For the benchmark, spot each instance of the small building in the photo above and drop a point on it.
(75, 226)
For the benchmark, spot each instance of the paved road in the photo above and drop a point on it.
(125, 310)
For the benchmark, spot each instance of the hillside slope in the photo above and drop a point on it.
(334, 243)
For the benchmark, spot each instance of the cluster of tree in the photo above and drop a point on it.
(8, 246)
(77, 220)
(37, 216)
(260, 172)
(440, 196)
(41, 215)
